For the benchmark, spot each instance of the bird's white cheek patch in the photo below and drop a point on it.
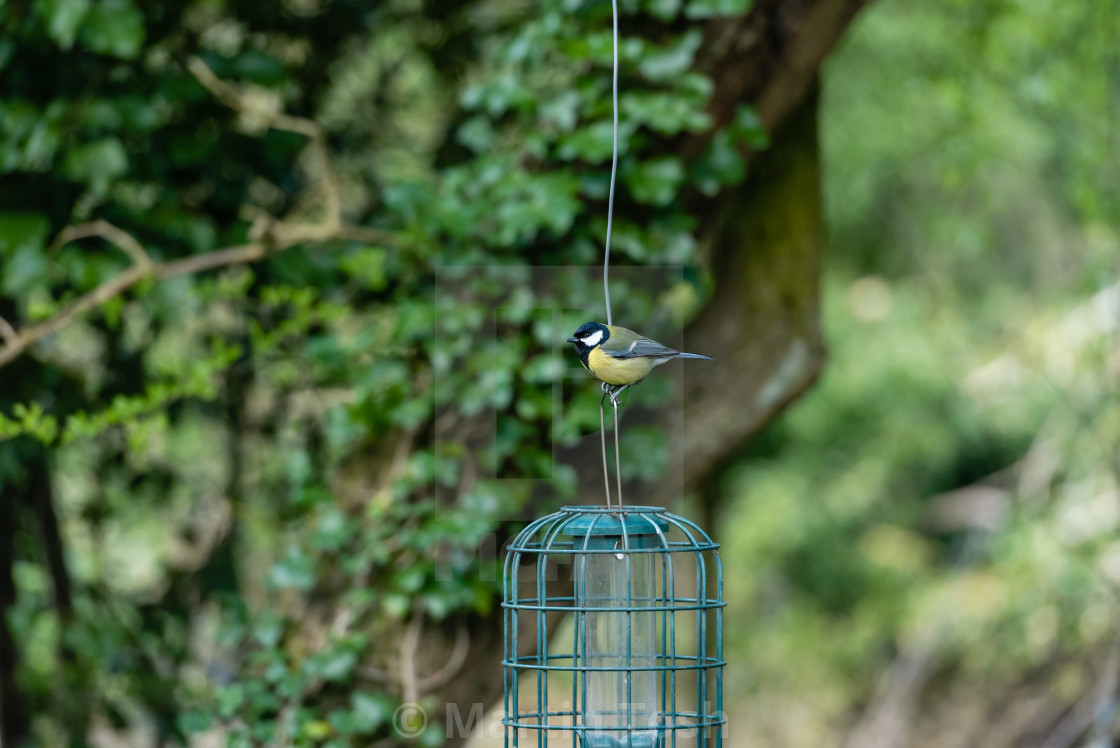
(593, 340)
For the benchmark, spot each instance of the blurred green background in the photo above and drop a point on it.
(217, 483)
(929, 538)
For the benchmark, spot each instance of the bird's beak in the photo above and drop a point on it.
(573, 340)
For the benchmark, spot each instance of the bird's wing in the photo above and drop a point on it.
(640, 348)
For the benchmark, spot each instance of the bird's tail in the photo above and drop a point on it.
(694, 355)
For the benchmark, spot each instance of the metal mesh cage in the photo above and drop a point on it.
(613, 631)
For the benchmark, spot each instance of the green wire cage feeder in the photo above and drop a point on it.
(613, 631)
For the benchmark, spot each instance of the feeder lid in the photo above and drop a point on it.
(599, 521)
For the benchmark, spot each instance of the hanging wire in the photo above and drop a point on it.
(606, 269)
(617, 463)
(614, 161)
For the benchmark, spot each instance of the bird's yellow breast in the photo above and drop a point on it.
(617, 371)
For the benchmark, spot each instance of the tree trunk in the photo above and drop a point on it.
(15, 722)
(763, 324)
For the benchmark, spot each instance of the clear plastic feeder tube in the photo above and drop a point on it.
(620, 701)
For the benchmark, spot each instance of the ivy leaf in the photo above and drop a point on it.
(476, 134)
(432, 737)
(748, 128)
(22, 231)
(562, 111)
(254, 67)
(665, 113)
(230, 699)
(316, 729)
(22, 238)
(195, 721)
(655, 182)
(64, 18)
(115, 28)
(296, 570)
(395, 604)
(268, 629)
(336, 665)
(722, 165)
(409, 580)
(370, 710)
(343, 722)
(97, 163)
(592, 143)
(664, 10)
(669, 61)
(333, 530)
(438, 604)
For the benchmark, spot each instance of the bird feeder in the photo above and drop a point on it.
(613, 631)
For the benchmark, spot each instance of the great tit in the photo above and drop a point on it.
(619, 357)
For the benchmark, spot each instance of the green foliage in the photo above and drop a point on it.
(264, 474)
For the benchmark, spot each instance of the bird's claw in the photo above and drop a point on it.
(614, 392)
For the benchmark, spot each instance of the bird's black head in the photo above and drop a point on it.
(589, 335)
